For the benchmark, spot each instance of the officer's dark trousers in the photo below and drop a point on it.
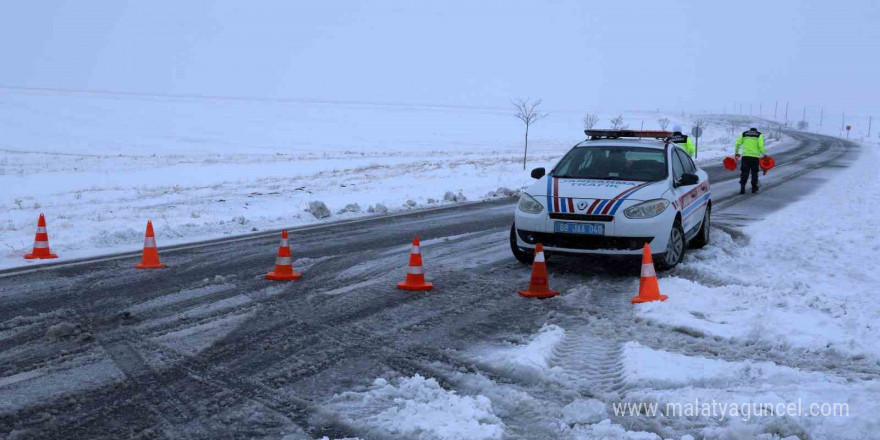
(749, 165)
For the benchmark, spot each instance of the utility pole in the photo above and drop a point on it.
(750, 108)
(760, 109)
(870, 118)
(842, 120)
(775, 109)
(804, 117)
(821, 116)
(786, 113)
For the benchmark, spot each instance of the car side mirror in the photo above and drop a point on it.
(688, 179)
(538, 173)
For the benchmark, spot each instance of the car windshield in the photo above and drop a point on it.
(613, 163)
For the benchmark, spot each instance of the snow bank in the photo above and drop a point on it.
(798, 283)
(584, 412)
(668, 378)
(605, 430)
(806, 279)
(417, 408)
(527, 362)
(646, 367)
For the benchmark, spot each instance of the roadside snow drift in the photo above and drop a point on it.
(800, 286)
(747, 399)
(417, 408)
(527, 362)
(806, 277)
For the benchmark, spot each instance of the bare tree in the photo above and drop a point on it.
(590, 120)
(664, 122)
(803, 125)
(697, 131)
(527, 112)
(617, 123)
(731, 129)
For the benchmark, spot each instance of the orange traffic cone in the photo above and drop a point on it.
(41, 243)
(766, 163)
(283, 263)
(539, 285)
(730, 163)
(648, 288)
(415, 273)
(150, 258)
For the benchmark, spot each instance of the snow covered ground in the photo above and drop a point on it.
(747, 399)
(419, 408)
(780, 318)
(100, 166)
(802, 284)
(802, 278)
(780, 342)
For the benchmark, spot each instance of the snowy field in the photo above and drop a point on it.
(100, 166)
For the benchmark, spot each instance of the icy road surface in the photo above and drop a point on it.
(209, 349)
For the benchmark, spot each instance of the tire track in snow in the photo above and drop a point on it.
(353, 333)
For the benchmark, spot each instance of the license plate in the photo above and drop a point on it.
(579, 228)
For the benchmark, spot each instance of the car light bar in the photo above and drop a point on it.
(617, 134)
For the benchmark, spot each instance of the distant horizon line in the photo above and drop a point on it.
(402, 105)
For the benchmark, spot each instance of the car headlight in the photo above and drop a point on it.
(651, 208)
(529, 205)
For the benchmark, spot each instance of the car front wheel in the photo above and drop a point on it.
(674, 249)
(702, 238)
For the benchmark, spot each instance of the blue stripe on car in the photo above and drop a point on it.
(549, 194)
(693, 206)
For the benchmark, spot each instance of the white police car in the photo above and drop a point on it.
(611, 194)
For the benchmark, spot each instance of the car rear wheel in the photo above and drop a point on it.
(525, 256)
(674, 249)
(702, 238)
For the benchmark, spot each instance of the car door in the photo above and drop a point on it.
(693, 205)
(703, 193)
(677, 171)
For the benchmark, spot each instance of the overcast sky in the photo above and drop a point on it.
(578, 55)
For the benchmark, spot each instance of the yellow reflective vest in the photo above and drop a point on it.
(751, 142)
(684, 141)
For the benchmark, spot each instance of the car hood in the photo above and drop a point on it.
(552, 190)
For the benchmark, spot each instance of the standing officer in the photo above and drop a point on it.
(683, 140)
(752, 143)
